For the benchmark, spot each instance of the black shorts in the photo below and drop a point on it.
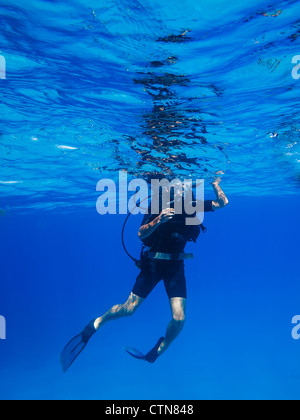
(171, 272)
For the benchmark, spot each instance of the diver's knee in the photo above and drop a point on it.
(131, 306)
(179, 319)
(131, 309)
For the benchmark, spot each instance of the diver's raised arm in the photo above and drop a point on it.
(222, 200)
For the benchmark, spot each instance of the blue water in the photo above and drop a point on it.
(191, 89)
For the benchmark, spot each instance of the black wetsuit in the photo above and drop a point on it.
(171, 238)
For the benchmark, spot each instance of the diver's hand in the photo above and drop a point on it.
(222, 200)
(147, 230)
(166, 215)
(218, 180)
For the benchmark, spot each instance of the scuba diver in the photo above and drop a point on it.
(164, 239)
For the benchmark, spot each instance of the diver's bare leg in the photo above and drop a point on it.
(176, 325)
(119, 311)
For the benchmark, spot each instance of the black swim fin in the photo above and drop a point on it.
(76, 346)
(149, 357)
